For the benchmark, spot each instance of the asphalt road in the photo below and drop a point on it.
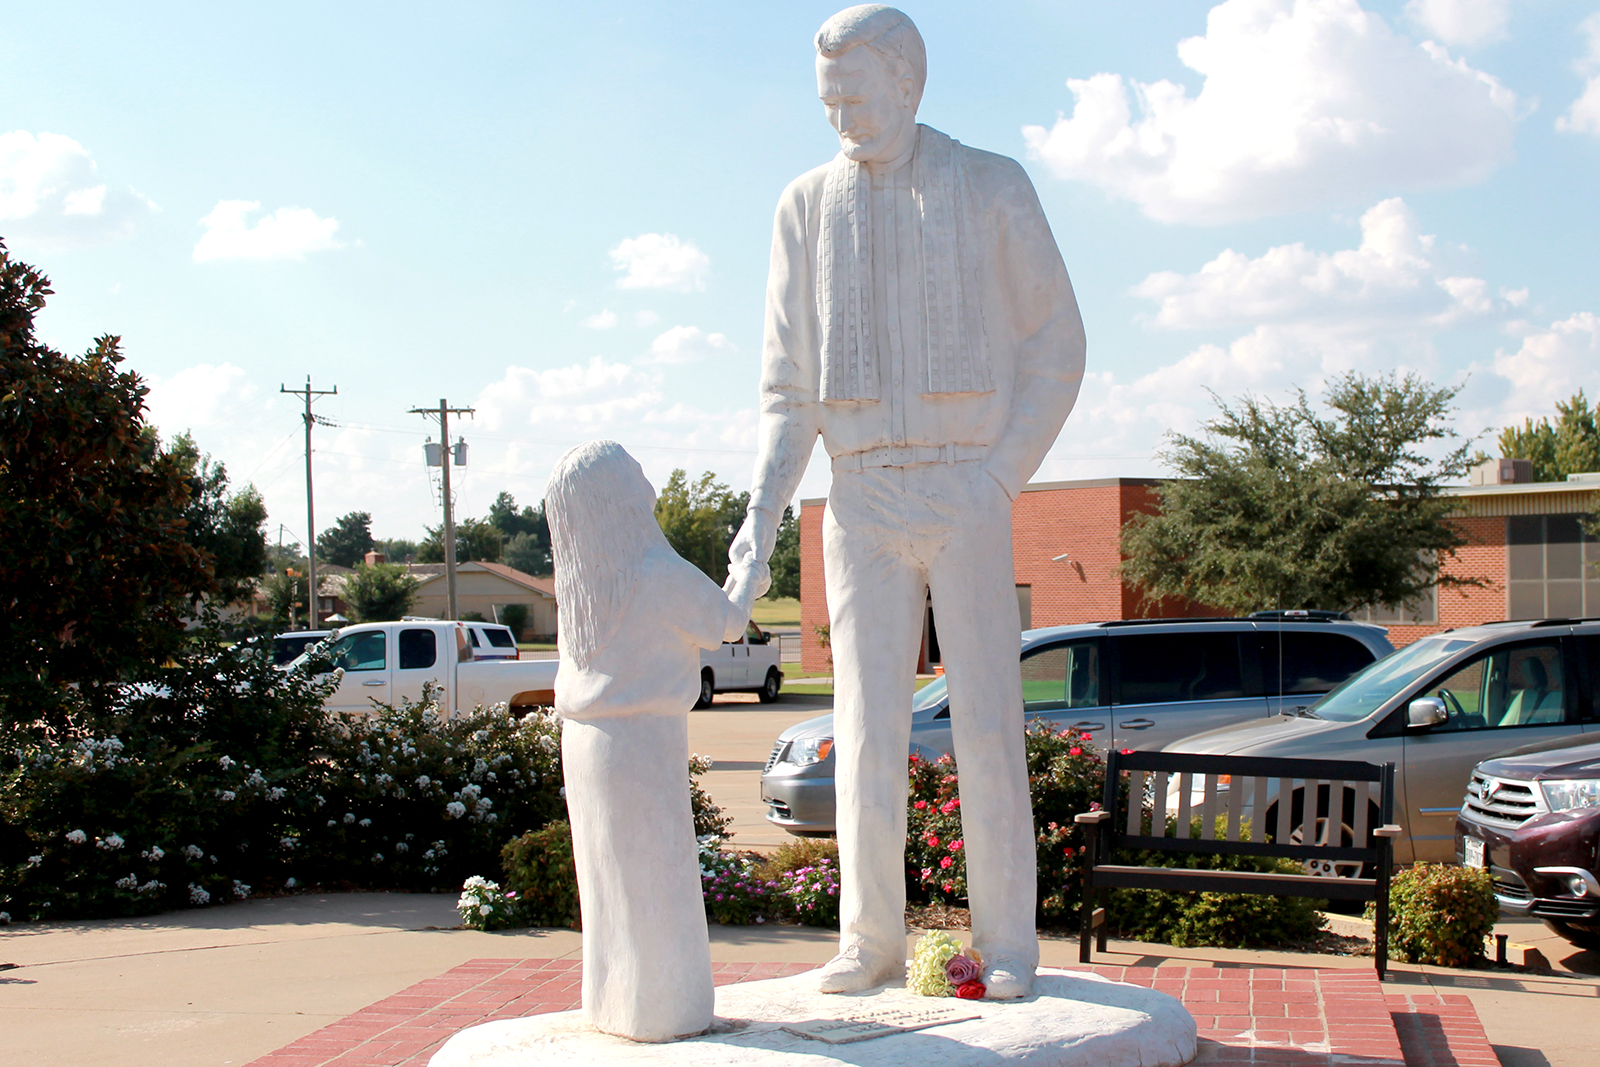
(737, 732)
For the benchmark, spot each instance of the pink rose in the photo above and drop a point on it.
(955, 846)
(944, 862)
(973, 990)
(933, 841)
(919, 805)
(961, 970)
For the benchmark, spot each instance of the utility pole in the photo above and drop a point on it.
(311, 519)
(444, 411)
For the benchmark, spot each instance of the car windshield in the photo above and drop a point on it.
(930, 695)
(1366, 691)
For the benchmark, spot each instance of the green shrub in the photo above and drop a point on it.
(541, 871)
(515, 618)
(736, 887)
(804, 874)
(1440, 914)
(799, 852)
(473, 616)
(709, 819)
(1224, 920)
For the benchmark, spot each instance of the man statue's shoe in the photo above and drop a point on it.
(856, 971)
(1006, 979)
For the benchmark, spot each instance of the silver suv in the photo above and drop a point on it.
(1435, 709)
(1140, 683)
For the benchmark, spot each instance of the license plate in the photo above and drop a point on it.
(1471, 852)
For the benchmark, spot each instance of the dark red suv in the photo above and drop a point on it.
(1533, 819)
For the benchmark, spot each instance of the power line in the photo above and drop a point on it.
(310, 394)
(444, 411)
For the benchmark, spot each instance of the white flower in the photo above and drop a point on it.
(365, 822)
(484, 909)
(240, 890)
(110, 842)
(5, 917)
(153, 853)
(198, 895)
(288, 842)
(193, 851)
(152, 886)
(225, 763)
(349, 817)
(562, 792)
(277, 792)
(289, 883)
(34, 861)
(77, 837)
(455, 809)
(127, 881)
(228, 794)
(377, 857)
(401, 846)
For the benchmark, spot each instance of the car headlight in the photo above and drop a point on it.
(809, 750)
(1566, 794)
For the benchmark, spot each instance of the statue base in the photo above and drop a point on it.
(1072, 1019)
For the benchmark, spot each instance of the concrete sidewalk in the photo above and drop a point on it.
(229, 984)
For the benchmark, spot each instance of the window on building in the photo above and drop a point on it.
(1552, 568)
(1423, 611)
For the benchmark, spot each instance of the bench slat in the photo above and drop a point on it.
(1185, 788)
(1258, 811)
(1252, 766)
(1246, 848)
(1184, 880)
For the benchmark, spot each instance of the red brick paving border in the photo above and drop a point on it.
(1247, 1017)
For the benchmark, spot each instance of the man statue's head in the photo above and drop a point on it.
(871, 67)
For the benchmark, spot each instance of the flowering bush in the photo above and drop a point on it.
(1440, 914)
(483, 906)
(543, 874)
(1065, 777)
(812, 893)
(737, 892)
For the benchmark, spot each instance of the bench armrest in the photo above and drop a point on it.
(1391, 830)
(1091, 817)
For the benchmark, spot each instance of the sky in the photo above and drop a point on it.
(559, 215)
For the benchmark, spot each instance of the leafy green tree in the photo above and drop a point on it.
(1281, 507)
(700, 520)
(397, 549)
(348, 540)
(287, 593)
(230, 529)
(785, 560)
(380, 592)
(476, 539)
(98, 571)
(1570, 446)
(527, 532)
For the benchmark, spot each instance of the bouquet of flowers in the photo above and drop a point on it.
(941, 968)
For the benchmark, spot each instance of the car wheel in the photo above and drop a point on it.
(769, 688)
(708, 689)
(1583, 936)
(1323, 831)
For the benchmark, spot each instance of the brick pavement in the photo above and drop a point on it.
(1247, 1016)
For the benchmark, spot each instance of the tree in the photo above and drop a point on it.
(380, 592)
(98, 571)
(347, 542)
(229, 530)
(785, 560)
(397, 549)
(700, 520)
(476, 539)
(287, 594)
(1571, 446)
(1280, 507)
(527, 532)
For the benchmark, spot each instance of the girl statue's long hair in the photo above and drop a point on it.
(602, 518)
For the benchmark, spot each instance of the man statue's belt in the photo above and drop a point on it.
(905, 457)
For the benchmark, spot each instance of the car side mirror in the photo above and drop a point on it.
(1426, 711)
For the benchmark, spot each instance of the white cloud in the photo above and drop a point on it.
(1464, 23)
(288, 233)
(660, 261)
(645, 318)
(1394, 277)
(50, 189)
(1550, 364)
(1303, 103)
(202, 397)
(600, 320)
(1584, 114)
(687, 344)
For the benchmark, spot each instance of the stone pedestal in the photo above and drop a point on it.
(1073, 1019)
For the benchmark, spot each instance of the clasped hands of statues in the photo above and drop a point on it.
(748, 574)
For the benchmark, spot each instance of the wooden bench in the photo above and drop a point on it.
(1233, 791)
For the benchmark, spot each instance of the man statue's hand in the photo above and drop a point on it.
(745, 582)
(755, 540)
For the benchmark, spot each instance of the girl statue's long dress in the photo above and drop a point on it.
(625, 749)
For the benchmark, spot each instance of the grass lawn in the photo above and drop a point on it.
(769, 611)
(537, 646)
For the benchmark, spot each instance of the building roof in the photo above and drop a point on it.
(431, 572)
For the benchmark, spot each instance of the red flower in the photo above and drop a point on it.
(1088, 736)
(973, 990)
(1127, 752)
(919, 805)
(948, 888)
(950, 805)
(1074, 751)
(1068, 851)
(933, 842)
(955, 846)
(945, 862)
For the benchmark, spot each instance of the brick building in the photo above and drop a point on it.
(1524, 539)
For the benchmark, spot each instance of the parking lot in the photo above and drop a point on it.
(737, 733)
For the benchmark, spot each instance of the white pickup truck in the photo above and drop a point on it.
(750, 663)
(389, 662)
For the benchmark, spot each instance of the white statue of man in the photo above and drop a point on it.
(633, 618)
(920, 319)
